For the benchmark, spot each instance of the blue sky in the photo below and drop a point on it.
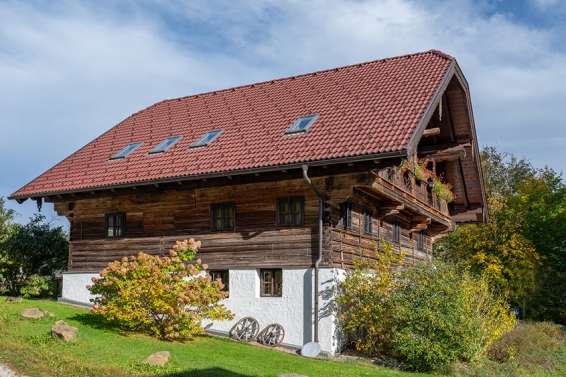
(70, 70)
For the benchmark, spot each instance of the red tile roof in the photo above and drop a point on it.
(365, 109)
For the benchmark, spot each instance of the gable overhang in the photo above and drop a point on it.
(470, 214)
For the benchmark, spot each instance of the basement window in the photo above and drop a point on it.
(126, 151)
(206, 139)
(224, 276)
(165, 144)
(302, 124)
(271, 282)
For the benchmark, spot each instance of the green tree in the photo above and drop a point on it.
(522, 249)
(36, 248)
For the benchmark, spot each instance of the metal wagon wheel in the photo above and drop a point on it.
(246, 329)
(272, 335)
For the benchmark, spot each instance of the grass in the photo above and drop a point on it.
(100, 350)
(531, 349)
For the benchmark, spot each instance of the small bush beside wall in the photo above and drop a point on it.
(167, 297)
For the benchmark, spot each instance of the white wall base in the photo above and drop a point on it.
(293, 310)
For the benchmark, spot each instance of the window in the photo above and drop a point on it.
(420, 241)
(206, 139)
(115, 225)
(346, 215)
(223, 275)
(222, 216)
(290, 212)
(126, 151)
(367, 221)
(271, 282)
(396, 232)
(302, 124)
(165, 144)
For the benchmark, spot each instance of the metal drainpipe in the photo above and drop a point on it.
(317, 263)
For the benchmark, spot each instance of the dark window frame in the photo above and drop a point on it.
(222, 207)
(214, 274)
(420, 240)
(396, 232)
(276, 287)
(110, 221)
(289, 223)
(367, 221)
(346, 209)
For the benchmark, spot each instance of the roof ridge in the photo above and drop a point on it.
(214, 92)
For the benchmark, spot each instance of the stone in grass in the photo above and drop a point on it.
(158, 359)
(62, 330)
(12, 299)
(32, 313)
(49, 314)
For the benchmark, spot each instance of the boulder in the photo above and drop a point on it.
(32, 313)
(157, 359)
(62, 330)
(11, 299)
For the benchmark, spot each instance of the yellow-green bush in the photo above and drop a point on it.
(425, 316)
(166, 297)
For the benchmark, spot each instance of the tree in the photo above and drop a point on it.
(522, 249)
(37, 248)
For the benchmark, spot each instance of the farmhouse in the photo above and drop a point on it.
(284, 182)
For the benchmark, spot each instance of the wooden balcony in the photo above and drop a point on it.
(407, 184)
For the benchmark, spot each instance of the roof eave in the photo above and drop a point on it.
(266, 169)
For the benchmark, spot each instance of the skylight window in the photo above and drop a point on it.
(206, 139)
(126, 151)
(165, 144)
(302, 124)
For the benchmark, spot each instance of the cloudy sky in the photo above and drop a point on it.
(70, 70)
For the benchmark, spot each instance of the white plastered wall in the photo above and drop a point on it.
(293, 310)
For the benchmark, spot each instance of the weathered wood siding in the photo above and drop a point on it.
(156, 219)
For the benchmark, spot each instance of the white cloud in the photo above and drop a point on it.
(70, 70)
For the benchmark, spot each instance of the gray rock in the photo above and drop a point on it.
(157, 359)
(12, 299)
(62, 330)
(32, 313)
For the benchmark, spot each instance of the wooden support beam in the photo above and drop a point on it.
(431, 132)
(421, 220)
(391, 205)
(390, 212)
(427, 149)
(418, 228)
(449, 154)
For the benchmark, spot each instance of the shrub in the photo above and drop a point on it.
(443, 314)
(525, 341)
(425, 316)
(166, 297)
(362, 300)
(37, 285)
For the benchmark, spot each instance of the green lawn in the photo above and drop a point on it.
(27, 346)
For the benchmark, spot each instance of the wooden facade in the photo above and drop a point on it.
(157, 216)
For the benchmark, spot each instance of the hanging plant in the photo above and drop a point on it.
(420, 171)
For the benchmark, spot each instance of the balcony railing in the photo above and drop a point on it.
(417, 189)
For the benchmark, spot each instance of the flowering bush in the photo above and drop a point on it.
(420, 171)
(166, 297)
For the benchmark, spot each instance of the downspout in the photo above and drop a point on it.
(317, 263)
